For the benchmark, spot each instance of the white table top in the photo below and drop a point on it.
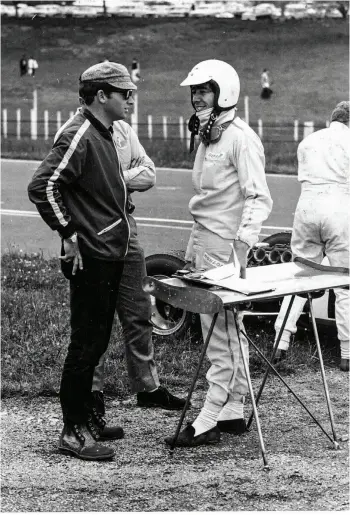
(286, 279)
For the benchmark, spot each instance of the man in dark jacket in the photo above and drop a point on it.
(80, 192)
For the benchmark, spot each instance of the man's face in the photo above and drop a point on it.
(202, 96)
(117, 105)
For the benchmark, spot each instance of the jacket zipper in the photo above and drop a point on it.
(106, 229)
(126, 195)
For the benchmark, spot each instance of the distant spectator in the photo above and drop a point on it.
(266, 91)
(23, 65)
(32, 66)
(135, 71)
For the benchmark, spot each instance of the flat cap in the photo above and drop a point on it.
(114, 74)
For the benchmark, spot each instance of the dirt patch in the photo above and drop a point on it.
(306, 472)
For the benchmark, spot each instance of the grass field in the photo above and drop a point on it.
(36, 331)
(308, 60)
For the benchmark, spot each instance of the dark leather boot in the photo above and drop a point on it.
(98, 410)
(80, 441)
(106, 432)
(98, 401)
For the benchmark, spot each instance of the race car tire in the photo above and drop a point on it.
(167, 320)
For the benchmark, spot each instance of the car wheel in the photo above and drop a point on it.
(166, 319)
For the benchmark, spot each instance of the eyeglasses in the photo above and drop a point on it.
(126, 93)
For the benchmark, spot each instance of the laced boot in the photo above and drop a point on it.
(80, 440)
(98, 410)
(106, 432)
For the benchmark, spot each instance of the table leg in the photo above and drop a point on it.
(204, 349)
(250, 420)
(331, 418)
(287, 386)
(250, 386)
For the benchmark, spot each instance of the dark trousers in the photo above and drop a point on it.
(134, 312)
(93, 297)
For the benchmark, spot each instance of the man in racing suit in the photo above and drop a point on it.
(321, 221)
(230, 203)
(80, 192)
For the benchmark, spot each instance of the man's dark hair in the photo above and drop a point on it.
(88, 90)
(341, 112)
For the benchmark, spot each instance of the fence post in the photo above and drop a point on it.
(260, 129)
(165, 128)
(296, 130)
(46, 124)
(33, 124)
(188, 136)
(308, 128)
(4, 123)
(71, 114)
(133, 122)
(18, 123)
(35, 102)
(135, 115)
(181, 127)
(59, 122)
(327, 123)
(246, 109)
(149, 126)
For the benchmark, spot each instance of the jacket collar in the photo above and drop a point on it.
(102, 129)
(225, 116)
(338, 126)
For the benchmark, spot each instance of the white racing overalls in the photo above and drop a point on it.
(231, 201)
(322, 217)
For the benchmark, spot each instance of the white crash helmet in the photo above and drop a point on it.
(223, 75)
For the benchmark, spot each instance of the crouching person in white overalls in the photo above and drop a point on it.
(230, 203)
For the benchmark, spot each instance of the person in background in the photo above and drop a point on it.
(230, 203)
(23, 65)
(321, 221)
(266, 91)
(80, 192)
(32, 66)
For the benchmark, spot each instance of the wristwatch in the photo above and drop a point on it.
(72, 238)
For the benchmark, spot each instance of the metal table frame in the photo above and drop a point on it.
(201, 300)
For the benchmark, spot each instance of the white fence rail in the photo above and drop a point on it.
(46, 126)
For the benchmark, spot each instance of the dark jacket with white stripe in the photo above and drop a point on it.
(80, 187)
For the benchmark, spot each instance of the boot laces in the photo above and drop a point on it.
(98, 419)
(78, 434)
(92, 428)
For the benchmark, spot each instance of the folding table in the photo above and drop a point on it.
(301, 277)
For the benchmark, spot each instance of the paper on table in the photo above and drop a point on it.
(226, 276)
(222, 272)
(237, 284)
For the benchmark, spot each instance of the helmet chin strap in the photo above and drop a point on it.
(205, 132)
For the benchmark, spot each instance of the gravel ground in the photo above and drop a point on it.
(306, 472)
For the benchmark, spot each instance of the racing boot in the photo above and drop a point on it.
(80, 441)
(233, 427)
(98, 410)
